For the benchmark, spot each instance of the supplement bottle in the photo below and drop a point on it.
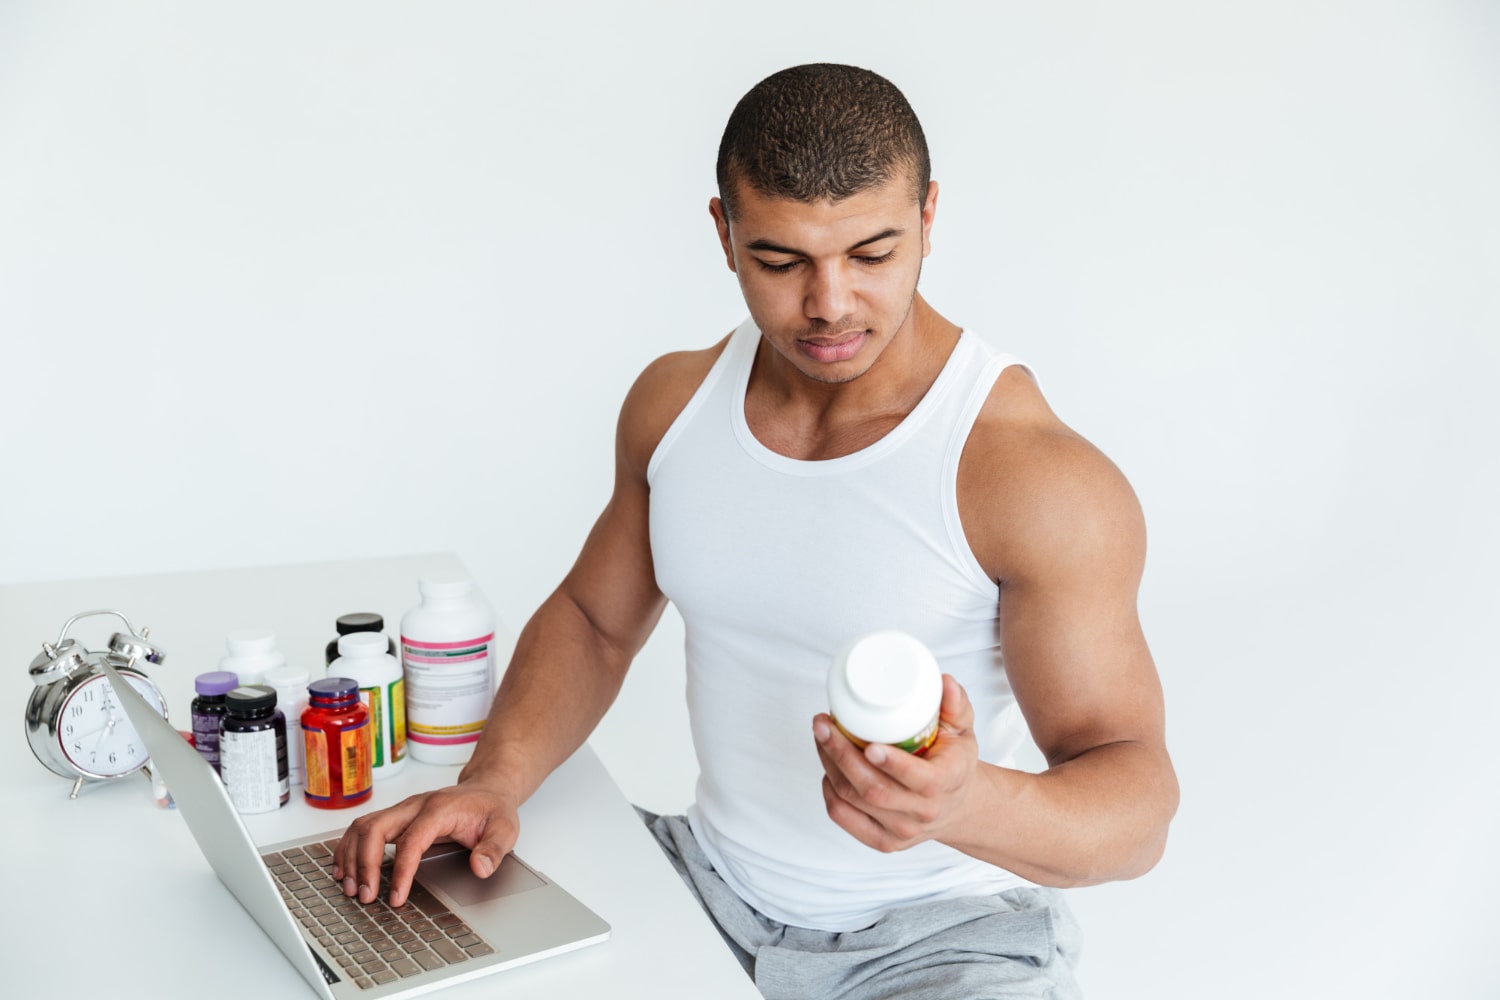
(208, 711)
(290, 684)
(363, 658)
(360, 621)
(252, 750)
(336, 733)
(252, 652)
(885, 687)
(450, 674)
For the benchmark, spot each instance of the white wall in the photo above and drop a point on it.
(283, 282)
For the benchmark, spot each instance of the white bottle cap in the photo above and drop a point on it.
(885, 687)
(441, 587)
(249, 641)
(363, 644)
(285, 677)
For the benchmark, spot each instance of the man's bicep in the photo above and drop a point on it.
(1071, 636)
(613, 581)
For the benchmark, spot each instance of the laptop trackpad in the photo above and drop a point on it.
(450, 872)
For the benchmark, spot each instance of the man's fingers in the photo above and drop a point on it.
(367, 853)
(420, 834)
(855, 779)
(856, 822)
(905, 770)
(346, 854)
(497, 842)
(842, 760)
(470, 816)
(956, 711)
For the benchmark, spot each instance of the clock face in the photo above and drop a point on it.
(94, 732)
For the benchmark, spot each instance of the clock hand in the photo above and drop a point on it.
(109, 727)
(104, 733)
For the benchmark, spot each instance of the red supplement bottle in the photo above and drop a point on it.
(339, 740)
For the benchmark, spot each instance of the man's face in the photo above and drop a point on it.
(830, 284)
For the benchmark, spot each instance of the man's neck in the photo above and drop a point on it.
(804, 418)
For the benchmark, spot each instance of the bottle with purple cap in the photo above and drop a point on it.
(208, 711)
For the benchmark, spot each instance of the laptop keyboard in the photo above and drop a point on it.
(373, 943)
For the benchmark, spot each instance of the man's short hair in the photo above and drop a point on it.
(821, 132)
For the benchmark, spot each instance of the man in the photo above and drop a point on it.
(847, 460)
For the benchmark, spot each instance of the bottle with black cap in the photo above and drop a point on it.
(252, 750)
(358, 621)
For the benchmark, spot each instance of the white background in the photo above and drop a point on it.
(289, 282)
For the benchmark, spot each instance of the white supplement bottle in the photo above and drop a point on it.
(446, 645)
(290, 684)
(885, 687)
(364, 658)
(252, 651)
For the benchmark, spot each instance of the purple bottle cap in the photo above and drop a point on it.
(216, 682)
(333, 689)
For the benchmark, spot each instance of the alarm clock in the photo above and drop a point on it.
(74, 724)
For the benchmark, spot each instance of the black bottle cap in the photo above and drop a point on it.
(359, 621)
(250, 699)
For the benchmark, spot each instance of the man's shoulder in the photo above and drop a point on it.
(659, 394)
(678, 371)
(1031, 485)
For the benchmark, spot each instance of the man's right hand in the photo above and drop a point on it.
(569, 663)
(469, 813)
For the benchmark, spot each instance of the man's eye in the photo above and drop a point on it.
(776, 267)
(877, 260)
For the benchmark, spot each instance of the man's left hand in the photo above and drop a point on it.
(889, 799)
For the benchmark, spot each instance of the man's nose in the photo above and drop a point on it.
(830, 293)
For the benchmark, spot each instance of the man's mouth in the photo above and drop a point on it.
(834, 347)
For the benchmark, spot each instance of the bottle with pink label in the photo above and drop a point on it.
(446, 657)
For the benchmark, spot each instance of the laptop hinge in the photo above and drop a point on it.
(329, 976)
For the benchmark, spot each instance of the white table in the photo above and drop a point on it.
(108, 896)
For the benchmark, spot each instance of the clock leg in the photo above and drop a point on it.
(76, 786)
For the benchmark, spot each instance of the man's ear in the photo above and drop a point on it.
(929, 212)
(721, 223)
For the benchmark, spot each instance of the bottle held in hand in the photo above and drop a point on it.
(885, 687)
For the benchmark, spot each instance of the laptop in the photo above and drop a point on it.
(455, 926)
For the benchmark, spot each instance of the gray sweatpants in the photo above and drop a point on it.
(1019, 943)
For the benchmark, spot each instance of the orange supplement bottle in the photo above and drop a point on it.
(336, 731)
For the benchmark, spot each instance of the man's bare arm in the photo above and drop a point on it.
(1060, 528)
(569, 663)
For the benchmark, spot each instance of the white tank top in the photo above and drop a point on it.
(774, 563)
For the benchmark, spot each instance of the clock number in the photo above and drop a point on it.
(68, 729)
(88, 695)
(77, 711)
(112, 756)
(130, 749)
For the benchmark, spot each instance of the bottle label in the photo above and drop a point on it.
(206, 735)
(449, 686)
(254, 772)
(396, 704)
(387, 703)
(315, 762)
(371, 697)
(350, 753)
(354, 749)
(296, 746)
(918, 744)
(923, 741)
